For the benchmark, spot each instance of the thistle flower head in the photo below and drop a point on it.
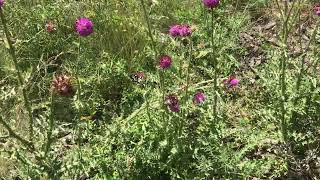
(50, 26)
(62, 85)
(232, 81)
(172, 102)
(317, 9)
(1, 3)
(165, 62)
(180, 30)
(185, 30)
(199, 97)
(211, 3)
(174, 30)
(138, 77)
(84, 26)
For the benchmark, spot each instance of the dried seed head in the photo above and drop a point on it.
(50, 27)
(172, 102)
(62, 85)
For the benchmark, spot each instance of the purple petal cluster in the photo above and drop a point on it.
(185, 31)
(317, 9)
(173, 103)
(1, 3)
(199, 97)
(211, 3)
(231, 82)
(165, 62)
(180, 30)
(175, 30)
(84, 26)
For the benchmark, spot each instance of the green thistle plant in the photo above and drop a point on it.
(18, 72)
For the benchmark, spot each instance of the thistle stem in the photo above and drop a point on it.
(302, 69)
(77, 76)
(19, 75)
(15, 135)
(188, 79)
(161, 75)
(215, 66)
(314, 73)
(149, 28)
(283, 75)
(77, 126)
(180, 62)
(51, 126)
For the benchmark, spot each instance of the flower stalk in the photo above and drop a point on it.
(15, 135)
(188, 79)
(284, 38)
(215, 66)
(302, 68)
(149, 27)
(84, 28)
(161, 74)
(78, 101)
(19, 74)
(51, 125)
(286, 28)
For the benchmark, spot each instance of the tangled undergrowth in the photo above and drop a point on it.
(150, 89)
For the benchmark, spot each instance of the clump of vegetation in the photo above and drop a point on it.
(159, 90)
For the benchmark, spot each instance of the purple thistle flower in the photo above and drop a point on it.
(185, 30)
(211, 3)
(180, 30)
(317, 9)
(199, 97)
(232, 81)
(173, 103)
(165, 62)
(1, 3)
(175, 30)
(84, 26)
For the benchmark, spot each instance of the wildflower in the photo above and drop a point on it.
(84, 26)
(50, 27)
(180, 30)
(232, 81)
(165, 62)
(62, 85)
(1, 3)
(138, 77)
(199, 97)
(317, 9)
(175, 30)
(173, 103)
(211, 3)
(185, 30)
